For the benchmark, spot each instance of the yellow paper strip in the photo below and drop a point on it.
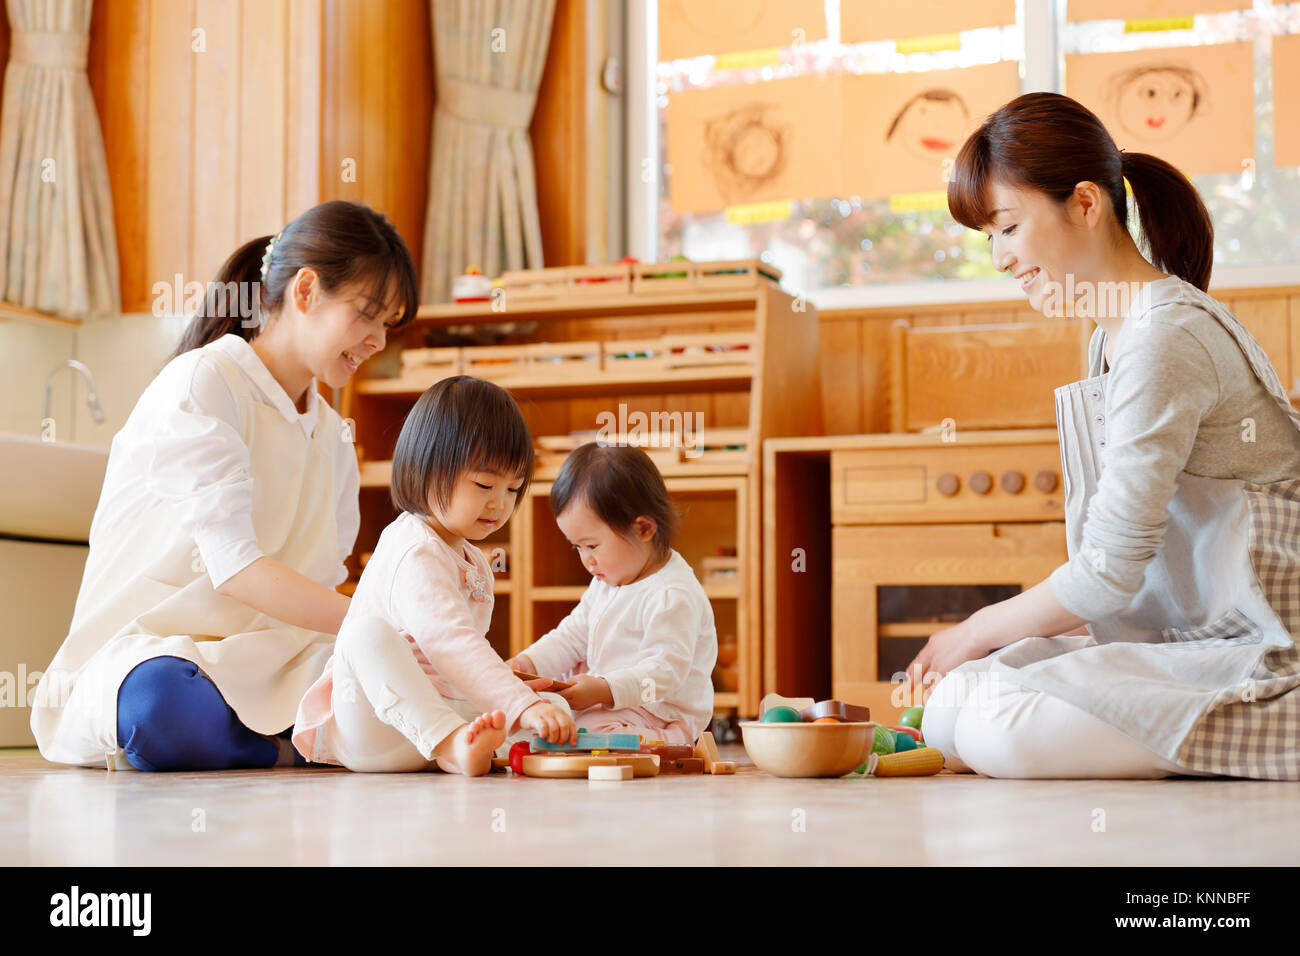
(748, 59)
(919, 202)
(1159, 23)
(760, 212)
(939, 41)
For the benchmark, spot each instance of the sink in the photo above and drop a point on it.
(49, 489)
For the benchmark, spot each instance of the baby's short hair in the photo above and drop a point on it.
(619, 483)
(460, 424)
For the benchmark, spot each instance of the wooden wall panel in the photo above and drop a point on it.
(559, 135)
(855, 347)
(377, 108)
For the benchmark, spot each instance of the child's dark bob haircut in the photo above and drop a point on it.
(461, 424)
(619, 483)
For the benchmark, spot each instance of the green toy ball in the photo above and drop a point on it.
(911, 717)
(884, 741)
(903, 742)
(782, 715)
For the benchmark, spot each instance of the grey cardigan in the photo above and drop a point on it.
(1180, 397)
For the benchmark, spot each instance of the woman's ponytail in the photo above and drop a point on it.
(229, 299)
(1175, 223)
(348, 245)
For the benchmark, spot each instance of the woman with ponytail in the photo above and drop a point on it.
(1165, 645)
(207, 606)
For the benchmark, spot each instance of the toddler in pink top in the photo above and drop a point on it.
(413, 682)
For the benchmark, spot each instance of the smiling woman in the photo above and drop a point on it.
(1179, 513)
(230, 503)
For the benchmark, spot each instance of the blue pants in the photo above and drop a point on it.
(170, 716)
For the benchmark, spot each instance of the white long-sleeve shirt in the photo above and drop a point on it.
(182, 442)
(653, 641)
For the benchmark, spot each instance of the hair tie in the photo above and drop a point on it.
(266, 257)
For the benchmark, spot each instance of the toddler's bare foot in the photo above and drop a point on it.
(469, 750)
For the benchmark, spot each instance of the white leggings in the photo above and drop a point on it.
(983, 723)
(388, 716)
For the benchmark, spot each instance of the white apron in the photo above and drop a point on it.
(1201, 666)
(156, 584)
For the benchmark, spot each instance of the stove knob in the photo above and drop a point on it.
(947, 484)
(1013, 482)
(1045, 480)
(980, 482)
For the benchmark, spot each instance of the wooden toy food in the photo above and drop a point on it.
(916, 763)
(912, 717)
(852, 713)
(782, 715)
(577, 765)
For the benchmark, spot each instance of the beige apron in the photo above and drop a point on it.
(153, 580)
(1200, 666)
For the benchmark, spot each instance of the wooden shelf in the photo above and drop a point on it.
(587, 305)
(774, 392)
(717, 378)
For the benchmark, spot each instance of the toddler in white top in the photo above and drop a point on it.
(413, 682)
(643, 631)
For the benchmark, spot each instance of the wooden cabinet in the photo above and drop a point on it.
(582, 359)
(874, 542)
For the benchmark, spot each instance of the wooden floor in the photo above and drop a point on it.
(71, 816)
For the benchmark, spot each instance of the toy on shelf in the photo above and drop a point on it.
(473, 286)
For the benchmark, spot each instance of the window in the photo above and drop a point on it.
(845, 250)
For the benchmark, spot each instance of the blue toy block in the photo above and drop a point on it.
(588, 741)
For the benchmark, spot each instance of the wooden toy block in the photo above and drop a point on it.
(706, 748)
(576, 765)
(555, 684)
(669, 751)
(588, 742)
(849, 713)
(681, 765)
(603, 772)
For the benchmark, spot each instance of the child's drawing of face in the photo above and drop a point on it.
(931, 125)
(1156, 103)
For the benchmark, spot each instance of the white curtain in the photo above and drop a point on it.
(489, 56)
(56, 211)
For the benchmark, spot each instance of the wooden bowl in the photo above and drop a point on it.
(805, 749)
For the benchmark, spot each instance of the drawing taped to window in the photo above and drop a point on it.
(1156, 102)
(1193, 106)
(746, 149)
(932, 125)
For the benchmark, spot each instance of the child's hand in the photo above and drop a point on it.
(550, 723)
(521, 662)
(588, 691)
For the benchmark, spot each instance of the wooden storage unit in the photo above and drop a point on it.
(760, 381)
(874, 542)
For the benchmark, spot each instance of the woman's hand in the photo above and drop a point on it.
(947, 650)
(588, 691)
